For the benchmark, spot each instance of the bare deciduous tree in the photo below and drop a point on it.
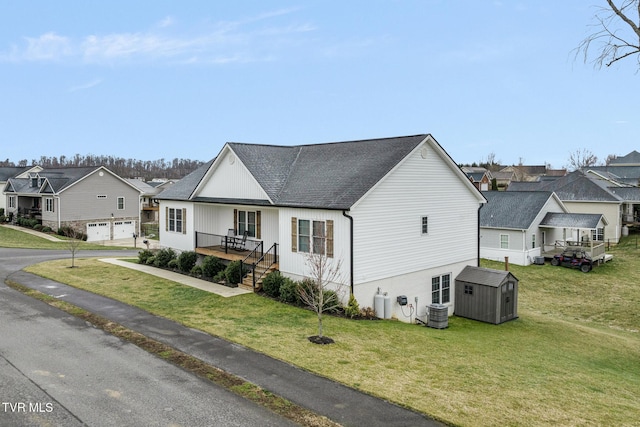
(315, 292)
(73, 243)
(582, 158)
(618, 34)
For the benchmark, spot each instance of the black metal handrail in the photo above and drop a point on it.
(265, 263)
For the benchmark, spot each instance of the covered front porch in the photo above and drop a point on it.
(585, 231)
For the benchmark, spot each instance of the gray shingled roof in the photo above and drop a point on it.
(632, 158)
(483, 276)
(7, 172)
(330, 176)
(629, 194)
(512, 209)
(575, 186)
(571, 220)
(183, 189)
(58, 178)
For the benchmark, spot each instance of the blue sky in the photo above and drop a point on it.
(168, 79)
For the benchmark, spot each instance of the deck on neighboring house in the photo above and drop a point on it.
(595, 251)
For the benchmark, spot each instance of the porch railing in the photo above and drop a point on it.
(225, 243)
(259, 265)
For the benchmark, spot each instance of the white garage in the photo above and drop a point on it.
(124, 229)
(97, 231)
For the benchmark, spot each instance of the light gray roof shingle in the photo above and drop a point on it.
(329, 176)
(183, 189)
(512, 209)
(571, 220)
(483, 276)
(575, 186)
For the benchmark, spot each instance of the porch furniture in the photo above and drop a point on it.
(240, 243)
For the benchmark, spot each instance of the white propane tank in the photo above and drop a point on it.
(625, 231)
(378, 305)
(387, 306)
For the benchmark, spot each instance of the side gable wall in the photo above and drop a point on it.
(81, 202)
(611, 211)
(229, 178)
(388, 242)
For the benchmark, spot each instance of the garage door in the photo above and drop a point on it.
(97, 231)
(123, 229)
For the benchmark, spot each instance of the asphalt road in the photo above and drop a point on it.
(57, 370)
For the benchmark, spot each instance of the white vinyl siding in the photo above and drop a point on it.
(94, 198)
(231, 181)
(385, 224)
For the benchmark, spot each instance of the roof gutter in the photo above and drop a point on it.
(344, 213)
(481, 205)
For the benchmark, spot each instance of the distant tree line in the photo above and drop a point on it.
(126, 168)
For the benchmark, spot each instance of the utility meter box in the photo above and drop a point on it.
(402, 300)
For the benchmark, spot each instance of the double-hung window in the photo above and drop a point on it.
(504, 241)
(48, 204)
(441, 289)
(312, 236)
(120, 203)
(175, 220)
(598, 234)
(247, 222)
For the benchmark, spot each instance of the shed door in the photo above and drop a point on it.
(507, 305)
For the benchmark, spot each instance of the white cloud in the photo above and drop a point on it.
(227, 41)
(85, 86)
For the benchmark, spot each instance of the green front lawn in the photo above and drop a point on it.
(10, 238)
(572, 358)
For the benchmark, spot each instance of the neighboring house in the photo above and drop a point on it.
(148, 203)
(523, 225)
(480, 177)
(92, 200)
(584, 193)
(510, 225)
(503, 179)
(624, 169)
(7, 172)
(398, 214)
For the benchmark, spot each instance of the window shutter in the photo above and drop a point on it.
(329, 232)
(235, 220)
(294, 234)
(184, 220)
(166, 218)
(258, 231)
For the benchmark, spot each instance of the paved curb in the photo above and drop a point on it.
(337, 402)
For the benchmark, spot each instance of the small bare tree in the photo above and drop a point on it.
(74, 240)
(582, 158)
(618, 36)
(315, 291)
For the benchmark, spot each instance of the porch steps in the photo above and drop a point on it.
(247, 282)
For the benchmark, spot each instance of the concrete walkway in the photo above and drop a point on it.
(33, 232)
(205, 285)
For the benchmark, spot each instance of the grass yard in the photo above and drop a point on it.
(572, 358)
(10, 238)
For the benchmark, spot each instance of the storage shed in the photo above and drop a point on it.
(486, 295)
